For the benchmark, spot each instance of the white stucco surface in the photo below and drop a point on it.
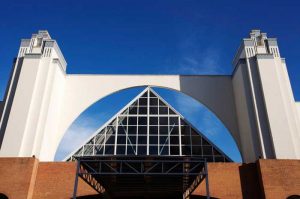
(255, 103)
(298, 109)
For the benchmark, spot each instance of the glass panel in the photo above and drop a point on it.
(152, 94)
(163, 130)
(122, 130)
(186, 150)
(153, 130)
(121, 150)
(163, 140)
(161, 103)
(163, 120)
(110, 130)
(164, 150)
(185, 130)
(194, 133)
(153, 120)
(109, 149)
(131, 139)
(131, 149)
(197, 150)
(88, 150)
(143, 102)
(142, 139)
(110, 139)
(113, 123)
(219, 159)
(171, 112)
(182, 122)
(153, 150)
(153, 101)
(125, 112)
(133, 110)
(142, 150)
(132, 120)
(91, 141)
(207, 150)
(174, 150)
(121, 139)
(185, 140)
(132, 130)
(174, 140)
(142, 120)
(196, 140)
(99, 149)
(204, 142)
(173, 121)
(135, 103)
(123, 120)
(145, 94)
(174, 130)
(142, 130)
(215, 152)
(208, 158)
(79, 152)
(163, 110)
(99, 139)
(153, 140)
(143, 110)
(153, 110)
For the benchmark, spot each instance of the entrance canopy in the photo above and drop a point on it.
(147, 148)
(142, 176)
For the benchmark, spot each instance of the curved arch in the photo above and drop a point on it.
(178, 93)
(215, 92)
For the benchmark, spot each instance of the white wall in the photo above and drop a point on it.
(298, 109)
(16, 129)
(256, 104)
(81, 91)
(278, 102)
(244, 110)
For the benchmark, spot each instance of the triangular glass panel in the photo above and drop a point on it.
(148, 125)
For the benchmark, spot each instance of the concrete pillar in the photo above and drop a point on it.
(266, 109)
(32, 92)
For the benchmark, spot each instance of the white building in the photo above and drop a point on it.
(255, 103)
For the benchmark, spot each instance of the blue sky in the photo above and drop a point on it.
(158, 36)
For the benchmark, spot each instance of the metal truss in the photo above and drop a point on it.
(190, 171)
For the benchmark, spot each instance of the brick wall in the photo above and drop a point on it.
(279, 178)
(27, 178)
(224, 181)
(17, 177)
(56, 180)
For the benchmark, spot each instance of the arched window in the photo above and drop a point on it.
(148, 125)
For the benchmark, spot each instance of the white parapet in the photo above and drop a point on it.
(255, 103)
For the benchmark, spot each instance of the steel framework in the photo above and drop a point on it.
(148, 125)
(102, 173)
(146, 146)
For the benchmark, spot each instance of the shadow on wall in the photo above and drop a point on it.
(214, 92)
(249, 178)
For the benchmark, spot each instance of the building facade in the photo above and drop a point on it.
(148, 149)
(255, 103)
